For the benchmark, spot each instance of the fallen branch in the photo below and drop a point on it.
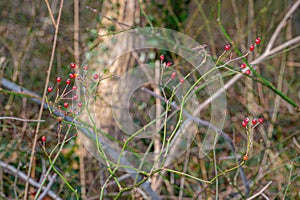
(14, 171)
(52, 180)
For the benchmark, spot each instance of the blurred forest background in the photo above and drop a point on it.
(26, 42)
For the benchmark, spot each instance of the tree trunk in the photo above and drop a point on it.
(125, 14)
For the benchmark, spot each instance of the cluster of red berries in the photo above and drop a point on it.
(243, 66)
(254, 121)
(251, 47)
(257, 42)
(168, 64)
(67, 82)
(64, 94)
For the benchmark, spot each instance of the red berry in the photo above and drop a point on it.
(161, 57)
(244, 124)
(75, 97)
(72, 65)
(254, 121)
(181, 80)
(227, 47)
(173, 75)
(74, 87)
(68, 81)
(257, 41)
(247, 120)
(66, 104)
(50, 89)
(261, 120)
(85, 68)
(169, 64)
(58, 79)
(96, 76)
(251, 48)
(243, 66)
(44, 138)
(79, 104)
(72, 76)
(248, 72)
(245, 158)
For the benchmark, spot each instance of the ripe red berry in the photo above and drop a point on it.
(74, 87)
(245, 158)
(68, 81)
(58, 79)
(161, 57)
(254, 121)
(261, 120)
(173, 75)
(72, 65)
(181, 80)
(243, 66)
(44, 138)
(257, 41)
(75, 97)
(66, 104)
(247, 120)
(248, 72)
(251, 48)
(79, 104)
(244, 124)
(85, 68)
(169, 64)
(227, 47)
(50, 89)
(96, 76)
(72, 76)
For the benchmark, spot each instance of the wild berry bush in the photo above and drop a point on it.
(125, 122)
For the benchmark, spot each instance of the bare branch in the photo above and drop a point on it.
(265, 55)
(260, 192)
(52, 180)
(14, 171)
(20, 119)
(281, 25)
(51, 14)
